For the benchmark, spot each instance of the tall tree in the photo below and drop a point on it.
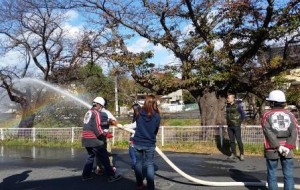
(220, 45)
(34, 29)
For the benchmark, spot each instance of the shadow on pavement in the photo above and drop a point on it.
(243, 176)
(177, 181)
(224, 146)
(14, 182)
(10, 181)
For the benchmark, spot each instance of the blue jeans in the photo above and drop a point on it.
(287, 170)
(132, 155)
(144, 158)
(102, 155)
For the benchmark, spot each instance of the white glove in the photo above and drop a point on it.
(119, 125)
(285, 151)
(280, 149)
(105, 130)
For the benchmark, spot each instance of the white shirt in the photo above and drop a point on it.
(109, 114)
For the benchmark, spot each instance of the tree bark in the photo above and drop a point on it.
(28, 111)
(212, 108)
(27, 121)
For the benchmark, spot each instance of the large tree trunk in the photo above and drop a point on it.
(27, 121)
(212, 108)
(28, 116)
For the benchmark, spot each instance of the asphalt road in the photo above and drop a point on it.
(60, 169)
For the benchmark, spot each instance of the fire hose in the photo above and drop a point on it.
(203, 182)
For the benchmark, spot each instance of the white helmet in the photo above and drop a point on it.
(276, 96)
(99, 100)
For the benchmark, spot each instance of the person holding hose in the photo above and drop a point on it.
(280, 131)
(92, 140)
(136, 110)
(107, 119)
(144, 141)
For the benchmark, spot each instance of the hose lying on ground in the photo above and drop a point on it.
(202, 182)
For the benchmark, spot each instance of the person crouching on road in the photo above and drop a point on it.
(92, 140)
(280, 132)
(144, 140)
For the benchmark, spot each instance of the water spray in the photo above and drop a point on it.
(57, 89)
(171, 164)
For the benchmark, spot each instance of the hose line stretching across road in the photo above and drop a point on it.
(202, 182)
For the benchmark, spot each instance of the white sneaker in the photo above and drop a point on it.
(242, 158)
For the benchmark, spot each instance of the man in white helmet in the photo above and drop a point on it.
(93, 140)
(280, 132)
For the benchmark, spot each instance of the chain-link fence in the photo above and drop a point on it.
(251, 135)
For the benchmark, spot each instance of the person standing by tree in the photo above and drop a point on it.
(92, 140)
(234, 117)
(280, 132)
(144, 140)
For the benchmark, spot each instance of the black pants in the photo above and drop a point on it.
(102, 154)
(235, 133)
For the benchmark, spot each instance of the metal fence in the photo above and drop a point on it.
(167, 134)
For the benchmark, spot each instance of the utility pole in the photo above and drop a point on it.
(116, 94)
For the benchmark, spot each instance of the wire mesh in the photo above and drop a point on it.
(252, 135)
